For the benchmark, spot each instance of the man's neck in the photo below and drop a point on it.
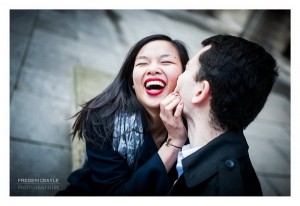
(200, 131)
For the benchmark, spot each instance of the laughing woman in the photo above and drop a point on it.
(129, 151)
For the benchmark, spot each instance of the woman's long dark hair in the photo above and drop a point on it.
(96, 118)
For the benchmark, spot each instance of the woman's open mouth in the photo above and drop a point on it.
(154, 86)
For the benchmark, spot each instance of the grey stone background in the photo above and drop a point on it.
(61, 58)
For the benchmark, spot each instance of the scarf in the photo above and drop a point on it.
(128, 136)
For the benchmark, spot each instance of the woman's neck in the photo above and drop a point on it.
(158, 130)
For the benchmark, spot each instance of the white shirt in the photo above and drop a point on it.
(186, 151)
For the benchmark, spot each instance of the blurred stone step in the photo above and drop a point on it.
(87, 83)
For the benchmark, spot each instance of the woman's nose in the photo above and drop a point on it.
(154, 69)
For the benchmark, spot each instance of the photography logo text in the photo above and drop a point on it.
(38, 184)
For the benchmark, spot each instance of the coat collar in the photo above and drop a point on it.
(205, 162)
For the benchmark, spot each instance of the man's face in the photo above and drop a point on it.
(186, 84)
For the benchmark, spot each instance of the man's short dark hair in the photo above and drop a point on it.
(241, 76)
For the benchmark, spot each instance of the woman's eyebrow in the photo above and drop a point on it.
(161, 56)
(167, 55)
(142, 57)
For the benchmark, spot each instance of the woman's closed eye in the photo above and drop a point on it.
(141, 64)
(167, 62)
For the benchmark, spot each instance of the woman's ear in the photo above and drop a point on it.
(201, 92)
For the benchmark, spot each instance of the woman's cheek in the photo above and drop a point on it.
(173, 85)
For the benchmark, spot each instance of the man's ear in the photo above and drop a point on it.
(201, 92)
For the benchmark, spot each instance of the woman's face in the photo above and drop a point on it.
(156, 69)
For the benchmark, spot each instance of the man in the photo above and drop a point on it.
(224, 87)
